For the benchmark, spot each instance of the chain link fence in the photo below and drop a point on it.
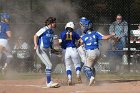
(28, 16)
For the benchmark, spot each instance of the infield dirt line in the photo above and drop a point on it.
(16, 85)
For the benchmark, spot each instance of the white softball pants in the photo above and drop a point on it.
(44, 57)
(71, 55)
(6, 50)
(82, 53)
(91, 57)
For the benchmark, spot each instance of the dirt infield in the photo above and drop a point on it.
(38, 86)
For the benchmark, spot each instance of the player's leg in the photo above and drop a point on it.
(7, 52)
(91, 57)
(77, 64)
(1, 50)
(82, 55)
(42, 53)
(68, 65)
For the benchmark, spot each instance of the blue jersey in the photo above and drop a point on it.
(4, 27)
(45, 37)
(68, 39)
(91, 40)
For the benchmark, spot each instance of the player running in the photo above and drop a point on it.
(91, 40)
(5, 35)
(68, 37)
(42, 43)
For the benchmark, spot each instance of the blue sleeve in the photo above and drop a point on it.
(83, 39)
(99, 35)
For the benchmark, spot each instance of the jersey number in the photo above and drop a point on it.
(69, 36)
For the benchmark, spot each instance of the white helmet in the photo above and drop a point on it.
(70, 24)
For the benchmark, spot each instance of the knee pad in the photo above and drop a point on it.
(88, 72)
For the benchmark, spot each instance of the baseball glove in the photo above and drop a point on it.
(114, 41)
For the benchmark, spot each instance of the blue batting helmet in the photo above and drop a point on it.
(82, 20)
(4, 16)
(88, 25)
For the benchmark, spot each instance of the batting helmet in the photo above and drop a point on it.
(4, 16)
(70, 25)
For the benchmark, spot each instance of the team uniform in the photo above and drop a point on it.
(4, 45)
(45, 37)
(80, 32)
(70, 53)
(91, 42)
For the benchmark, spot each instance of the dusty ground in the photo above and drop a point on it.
(38, 86)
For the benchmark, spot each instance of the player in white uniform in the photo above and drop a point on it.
(5, 35)
(91, 40)
(42, 43)
(69, 37)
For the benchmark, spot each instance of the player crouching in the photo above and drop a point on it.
(90, 41)
(69, 37)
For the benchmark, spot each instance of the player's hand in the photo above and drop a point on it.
(113, 34)
(35, 46)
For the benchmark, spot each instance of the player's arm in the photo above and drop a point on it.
(9, 34)
(39, 33)
(35, 41)
(105, 37)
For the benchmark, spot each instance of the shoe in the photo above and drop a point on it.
(92, 81)
(69, 82)
(79, 79)
(53, 85)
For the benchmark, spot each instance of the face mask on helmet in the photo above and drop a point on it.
(4, 16)
(88, 25)
(83, 20)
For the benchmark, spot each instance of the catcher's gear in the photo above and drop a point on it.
(88, 72)
(82, 20)
(70, 25)
(4, 16)
(56, 44)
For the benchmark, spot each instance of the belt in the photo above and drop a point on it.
(92, 49)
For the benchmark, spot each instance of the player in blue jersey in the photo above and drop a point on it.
(5, 35)
(69, 37)
(91, 42)
(43, 43)
(80, 32)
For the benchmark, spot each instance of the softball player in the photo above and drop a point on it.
(90, 40)
(68, 38)
(81, 31)
(5, 35)
(42, 43)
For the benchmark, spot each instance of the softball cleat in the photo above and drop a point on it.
(92, 81)
(53, 85)
(69, 82)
